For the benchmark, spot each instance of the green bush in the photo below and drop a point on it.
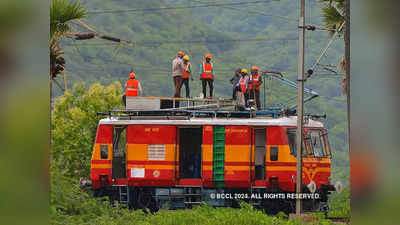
(74, 124)
(340, 204)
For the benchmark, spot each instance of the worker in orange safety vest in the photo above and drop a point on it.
(132, 87)
(186, 74)
(255, 82)
(207, 74)
(242, 85)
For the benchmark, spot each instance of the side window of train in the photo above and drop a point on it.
(119, 140)
(327, 145)
(273, 153)
(291, 134)
(104, 151)
(316, 142)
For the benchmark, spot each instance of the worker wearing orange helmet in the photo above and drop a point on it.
(207, 74)
(255, 82)
(132, 87)
(177, 72)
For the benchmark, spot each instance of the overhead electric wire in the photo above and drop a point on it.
(177, 7)
(253, 11)
(337, 98)
(157, 43)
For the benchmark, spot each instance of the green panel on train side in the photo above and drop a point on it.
(219, 156)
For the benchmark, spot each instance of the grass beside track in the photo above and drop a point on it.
(69, 204)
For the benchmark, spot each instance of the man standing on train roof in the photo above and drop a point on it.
(132, 87)
(186, 74)
(207, 74)
(242, 85)
(235, 80)
(255, 82)
(177, 71)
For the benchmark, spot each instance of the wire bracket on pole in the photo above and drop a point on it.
(308, 27)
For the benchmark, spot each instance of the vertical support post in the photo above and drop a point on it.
(264, 103)
(299, 133)
(65, 80)
(347, 60)
(51, 117)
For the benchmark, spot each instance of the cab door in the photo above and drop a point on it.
(119, 152)
(190, 141)
(260, 146)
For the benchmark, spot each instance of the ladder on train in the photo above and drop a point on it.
(192, 196)
(123, 194)
(219, 156)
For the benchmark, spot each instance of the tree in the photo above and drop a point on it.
(62, 13)
(75, 122)
(334, 16)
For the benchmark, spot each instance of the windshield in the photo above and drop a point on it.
(317, 143)
(291, 134)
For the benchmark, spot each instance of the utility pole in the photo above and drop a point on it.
(347, 61)
(299, 133)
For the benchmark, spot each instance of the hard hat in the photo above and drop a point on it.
(186, 57)
(181, 53)
(254, 68)
(244, 70)
(132, 75)
(208, 56)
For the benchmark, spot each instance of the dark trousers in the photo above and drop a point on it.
(124, 99)
(210, 83)
(186, 83)
(234, 90)
(246, 99)
(178, 80)
(257, 99)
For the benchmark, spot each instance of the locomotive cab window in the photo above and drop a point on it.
(328, 146)
(104, 151)
(316, 143)
(119, 152)
(291, 135)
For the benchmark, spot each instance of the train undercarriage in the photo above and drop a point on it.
(270, 201)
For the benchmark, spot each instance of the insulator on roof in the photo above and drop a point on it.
(110, 38)
(60, 60)
(84, 36)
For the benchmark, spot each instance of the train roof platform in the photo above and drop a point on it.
(198, 121)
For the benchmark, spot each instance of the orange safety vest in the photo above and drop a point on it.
(131, 87)
(186, 74)
(207, 71)
(242, 85)
(255, 81)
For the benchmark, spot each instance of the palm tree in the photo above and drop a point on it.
(334, 16)
(62, 13)
(335, 13)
